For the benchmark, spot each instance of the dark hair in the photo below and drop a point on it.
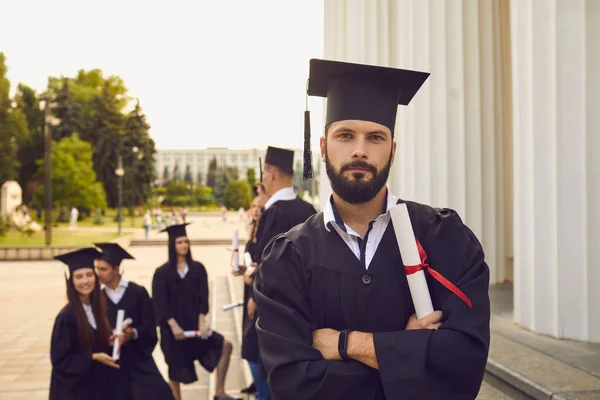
(253, 237)
(173, 253)
(84, 330)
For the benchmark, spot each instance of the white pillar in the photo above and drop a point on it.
(556, 79)
(447, 153)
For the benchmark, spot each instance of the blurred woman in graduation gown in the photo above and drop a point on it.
(81, 366)
(250, 351)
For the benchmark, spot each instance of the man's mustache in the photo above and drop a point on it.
(359, 164)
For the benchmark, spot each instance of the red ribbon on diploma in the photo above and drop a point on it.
(411, 269)
(232, 252)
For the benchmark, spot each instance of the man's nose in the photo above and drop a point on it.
(360, 149)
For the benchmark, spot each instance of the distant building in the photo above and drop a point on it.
(199, 159)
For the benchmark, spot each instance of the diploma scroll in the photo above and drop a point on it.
(235, 244)
(118, 330)
(231, 306)
(407, 244)
(126, 323)
(196, 334)
(247, 259)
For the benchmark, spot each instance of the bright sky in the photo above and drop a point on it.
(212, 73)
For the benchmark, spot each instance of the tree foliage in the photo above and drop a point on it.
(237, 194)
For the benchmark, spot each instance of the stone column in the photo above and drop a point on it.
(450, 138)
(556, 86)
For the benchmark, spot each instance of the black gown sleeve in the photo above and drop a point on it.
(146, 324)
(273, 224)
(161, 297)
(295, 369)
(203, 290)
(70, 363)
(448, 362)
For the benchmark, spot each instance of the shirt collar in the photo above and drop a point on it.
(330, 214)
(122, 283)
(284, 194)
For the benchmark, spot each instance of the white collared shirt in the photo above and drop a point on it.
(115, 295)
(183, 273)
(284, 194)
(89, 314)
(361, 247)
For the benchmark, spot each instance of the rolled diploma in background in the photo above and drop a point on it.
(228, 307)
(235, 244)
(194, 334)
(247, 259)
(410, 256)
(118, 329)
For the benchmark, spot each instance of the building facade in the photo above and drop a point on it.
(505, 131)
(169, 160)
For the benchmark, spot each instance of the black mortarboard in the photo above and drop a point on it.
(176, 231)
(360, 92)
(113, 253)
(281, 158)
(82, 258)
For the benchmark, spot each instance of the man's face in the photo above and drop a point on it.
(358, 156)
(182, 246)
(106, 272)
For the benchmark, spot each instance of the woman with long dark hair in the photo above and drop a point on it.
(180, 297)
(81, 337)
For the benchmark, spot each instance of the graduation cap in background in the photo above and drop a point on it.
(82, 258)
(113, 253)
(280, 158)
(358, 92)
(176, 231)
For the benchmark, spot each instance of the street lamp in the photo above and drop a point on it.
(120, 172)
(49, 120)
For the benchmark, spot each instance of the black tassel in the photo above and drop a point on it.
(308, 169)
(260, 168)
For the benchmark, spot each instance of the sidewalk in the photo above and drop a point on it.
(539, 366)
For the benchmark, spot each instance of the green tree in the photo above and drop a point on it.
(176, 174)
(199, 178)
(140, 163)
(31, 146)
(187, 177)
(251, 177)
(212, 173)
(12, 126)
(166, 177)
(237, 194)
(73, 177)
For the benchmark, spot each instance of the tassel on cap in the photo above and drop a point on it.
(260, 168)
(308, 169)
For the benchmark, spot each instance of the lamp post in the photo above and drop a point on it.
(48, 121)
(120, 172)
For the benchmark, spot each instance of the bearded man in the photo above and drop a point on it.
(337, 319)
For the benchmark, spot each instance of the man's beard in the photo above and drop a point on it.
(357, 190)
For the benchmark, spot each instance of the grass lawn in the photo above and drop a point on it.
(17, 239)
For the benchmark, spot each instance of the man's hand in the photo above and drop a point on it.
(326, 341)
(114, 336)
(251, 309)
(430, 321)
(129, 334)
(241, 270)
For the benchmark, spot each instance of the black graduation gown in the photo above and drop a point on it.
(75, 376)
(184, 299)
(310, 279)
(139, 377)
(249, 338)
(279, 218)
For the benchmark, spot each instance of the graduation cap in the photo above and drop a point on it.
(358, 92)
(82, 258)
(281, 158)
(176, 231)
(113, 253)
